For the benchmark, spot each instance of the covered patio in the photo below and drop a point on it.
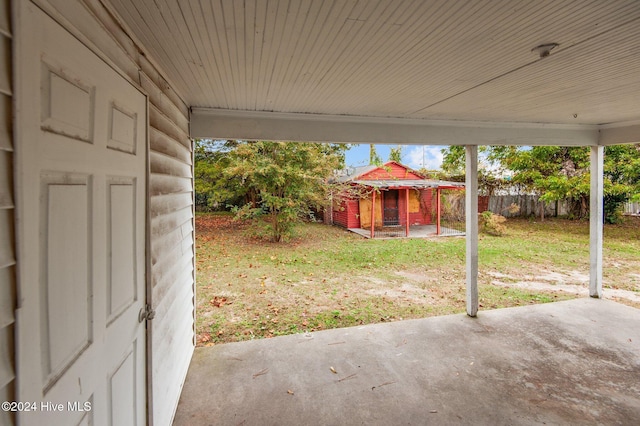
(573, 362)
(86, 83)
(433, 73)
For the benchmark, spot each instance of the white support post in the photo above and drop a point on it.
(471, 184)
(596, 217)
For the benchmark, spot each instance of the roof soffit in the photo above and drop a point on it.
(430, 60)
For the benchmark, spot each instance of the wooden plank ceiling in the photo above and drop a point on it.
(419, 59)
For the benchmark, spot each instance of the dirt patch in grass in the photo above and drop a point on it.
(572, 282)
(326, 277)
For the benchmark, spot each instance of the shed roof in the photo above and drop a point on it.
(351, 173)
(357, 174)
(410, 183)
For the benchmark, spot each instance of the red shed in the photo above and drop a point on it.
(387, 200)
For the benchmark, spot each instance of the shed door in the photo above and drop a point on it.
(81, 163)
(391, 211)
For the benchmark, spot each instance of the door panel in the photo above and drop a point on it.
(67, 103)
(122, 395)
(391, 214)
(121, 283)
(81, 161)
(66, 292)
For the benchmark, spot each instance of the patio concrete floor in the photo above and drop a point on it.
(573, 362)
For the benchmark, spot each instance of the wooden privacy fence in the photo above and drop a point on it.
(530, 205)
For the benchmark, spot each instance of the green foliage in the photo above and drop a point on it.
(554, 172)
(374, 158)
(453, 165)
(396, 154)
(453, 160)
(284, 181)
(561, 173)
(211, 157)
(622, 179)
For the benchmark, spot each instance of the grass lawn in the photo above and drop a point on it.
(326, 277)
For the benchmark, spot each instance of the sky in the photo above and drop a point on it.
(414, 156)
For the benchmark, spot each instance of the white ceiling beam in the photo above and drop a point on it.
(229, 124)
(619, 134)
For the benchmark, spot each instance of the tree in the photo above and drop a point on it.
(395, 154)
(622, 178)
(374, 158)
(453, 166)
(453, 159)
(287, 179)
(211, 157)
(558, 173)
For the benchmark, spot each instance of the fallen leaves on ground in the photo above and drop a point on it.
(218, 301)
(204, 337)
(257, 289)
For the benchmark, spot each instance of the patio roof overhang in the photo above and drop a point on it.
(397, 71)
(434, 72)
(253, 125)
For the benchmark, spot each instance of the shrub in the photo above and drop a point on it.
(493, 224)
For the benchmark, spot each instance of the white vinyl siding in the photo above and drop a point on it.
(7, 240)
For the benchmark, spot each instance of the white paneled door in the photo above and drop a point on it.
(81, 185)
